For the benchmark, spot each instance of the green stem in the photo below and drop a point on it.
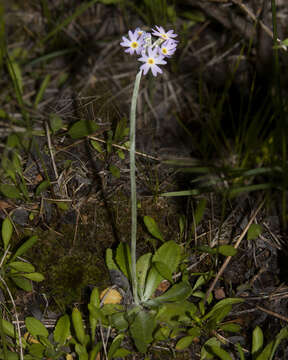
(133, 186)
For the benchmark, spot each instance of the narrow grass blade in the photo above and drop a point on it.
(241, 189)
(182, 193)
(50, 56)
(42, 89)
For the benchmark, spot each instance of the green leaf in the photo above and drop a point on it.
(96, 145)
(118, 321)
(123, 259)
(270, 349)
(205, 350)
(142, 267)
(116, 343)
(7, 231)
(285, 42)
(62, 330)
(170, 254)
(94, 352)
(234, 328)
(194, 332)
(177, 292)
(22, 283)
(283, 334)
(10, 191)
(152, 227)
(13, 141)
(142, 329)
(56, 122)
(35, 327)
(227, 250)
(121, 154)
(26, 246)
(110, 309)
(240, 351)
(184, 342)
(81, 352)
(221, 304)
(62, 205)
(202, 279)
(254, 231)
(192, 192)
(8, 328)
(95, 314)
(78, 325)
(219, 352)
(42, 89)
(121, 130)
(266, 353)
(82, 128)
(15, 73)
(182, 223)
(219, 315)
(16, 161)
(42, 187)
(199, 212)
(121, 353)
(11, 356)
(46, 342)
(176, 311)
(109, 260)
(95, 297)
(94, 303)
(22, 266)
(115, 171)
(164, 270)
(35, 276)
(153, 280)
(257, 342)
(37, 350)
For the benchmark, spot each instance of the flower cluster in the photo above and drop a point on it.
(152, 53)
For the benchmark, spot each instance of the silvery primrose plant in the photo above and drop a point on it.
(152, 49)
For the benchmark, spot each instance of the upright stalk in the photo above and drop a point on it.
(133, 186)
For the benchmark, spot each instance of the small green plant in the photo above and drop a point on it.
(164, 310)
(259, 351)
(16, 270)
(12, 266)
(11, 168)
(70, 334)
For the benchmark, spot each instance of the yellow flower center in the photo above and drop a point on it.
(164, 51)
(150, 61)
(164, 36)
(134, 44)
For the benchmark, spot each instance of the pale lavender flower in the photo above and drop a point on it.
(151, 61)
(141, 33)
(160, 32)
(134, 43)
(168, 48)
